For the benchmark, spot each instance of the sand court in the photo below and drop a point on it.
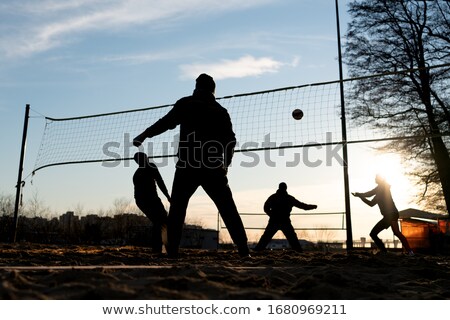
(37, 271)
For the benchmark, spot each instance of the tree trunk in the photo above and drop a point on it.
(443, 165)
(440, 152)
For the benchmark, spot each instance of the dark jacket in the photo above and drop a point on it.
(206, 134)
(279, 205)
(382, 197)
(145, 180)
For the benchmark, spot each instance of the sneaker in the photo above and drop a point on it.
(410, 253)
(246, 257)
(244, 252)
(299, 250)
(378, 252)
(156, 250)
(172, 255)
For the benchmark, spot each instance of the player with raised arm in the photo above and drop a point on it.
(205, 151)
(278, 207)
(382, 196)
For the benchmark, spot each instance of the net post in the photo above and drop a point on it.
(349, 243)
(218, 231)
(19, 178)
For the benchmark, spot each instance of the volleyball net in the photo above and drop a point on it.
(261, 120)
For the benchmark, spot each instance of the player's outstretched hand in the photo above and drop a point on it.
(137, 142)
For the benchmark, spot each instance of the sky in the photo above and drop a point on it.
(79, 57)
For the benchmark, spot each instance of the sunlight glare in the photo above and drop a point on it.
(389, 166)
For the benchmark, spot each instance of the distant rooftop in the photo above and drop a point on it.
(416, 213)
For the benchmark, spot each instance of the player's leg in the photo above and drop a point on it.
(291, 236)
(268, 234)
(380, 226)
(400, 236)
(145, 206)
(159, 218)
(156, 238)
(184, 185)
(215, 184)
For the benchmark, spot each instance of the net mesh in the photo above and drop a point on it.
(260, 120)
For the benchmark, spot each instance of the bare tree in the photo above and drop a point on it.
(120, 206)
(79, 209)
(6, 204)
(322, 234)
(386, 36)
(195, 221)
(36, 207)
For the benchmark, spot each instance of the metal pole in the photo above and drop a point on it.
(218, 230)
(19, 178)
(344, 138)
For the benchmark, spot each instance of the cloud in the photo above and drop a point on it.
(40, 26)
(246, 66)
(50, 6)
(136, 59)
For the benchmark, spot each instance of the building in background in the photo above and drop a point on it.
(426, 231)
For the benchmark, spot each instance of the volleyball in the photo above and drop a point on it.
(297, 114)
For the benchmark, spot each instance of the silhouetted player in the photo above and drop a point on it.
(382, 196)
(145, 179)
(278, 207)
(205, 151)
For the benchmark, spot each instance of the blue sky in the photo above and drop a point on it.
(77, 57)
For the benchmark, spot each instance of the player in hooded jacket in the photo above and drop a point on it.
(205, 151)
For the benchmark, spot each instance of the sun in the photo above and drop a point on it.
(390, 166)
(370, 163)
